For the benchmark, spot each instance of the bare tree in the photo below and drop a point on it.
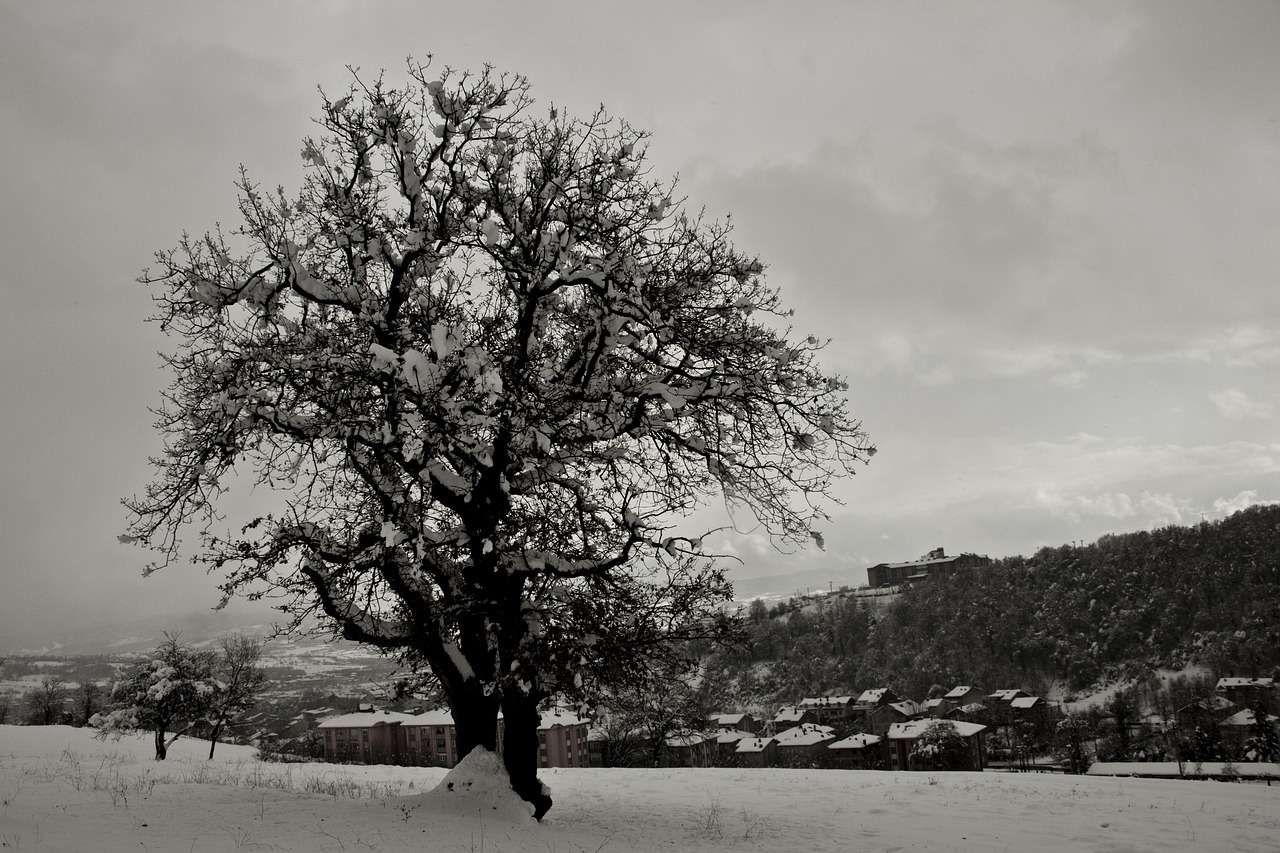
(47, 701)
(88, 701)
(240, 680)
(490, 367)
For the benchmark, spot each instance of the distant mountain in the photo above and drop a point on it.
(782, 587)
(195, 628)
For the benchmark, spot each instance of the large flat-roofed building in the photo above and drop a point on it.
(934, 563)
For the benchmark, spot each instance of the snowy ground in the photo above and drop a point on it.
(61, 790)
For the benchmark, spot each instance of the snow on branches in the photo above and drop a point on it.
(489, 364)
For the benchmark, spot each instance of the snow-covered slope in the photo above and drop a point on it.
(64, 791)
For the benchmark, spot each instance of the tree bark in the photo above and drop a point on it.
(213, 739)
(475, 720)
(162, 749)
(520, 750)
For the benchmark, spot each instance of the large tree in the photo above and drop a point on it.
(489, 366)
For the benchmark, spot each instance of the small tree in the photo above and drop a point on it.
(490, 367)
(46, 702)
(88, 700)
(1124, 709)
(1263, 743)
(165, 695)
(673, 702)
(939, 747)
(240, 680)
(1074, 732)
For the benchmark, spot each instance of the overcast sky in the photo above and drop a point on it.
(1042, 237)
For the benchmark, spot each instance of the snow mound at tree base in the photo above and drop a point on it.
(479, 782)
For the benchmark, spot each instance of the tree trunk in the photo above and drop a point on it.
(213, 739)
(162, 749)
(475, 720)
(520, 751)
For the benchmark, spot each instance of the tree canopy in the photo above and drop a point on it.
(489, 366)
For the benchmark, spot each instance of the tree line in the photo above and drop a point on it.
(1118, 608)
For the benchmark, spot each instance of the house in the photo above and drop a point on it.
(727, 741)
(757, 752)
(901, 739)
(877, 696)
(934, 563)
(804, 742)
(869, 700)
(430, 738)
(789, 716)
(1247, 692)
(689, 749)
(829, 709)
(936, 707)
(735, 722)
(974, 712)
(1031, 709)
(857, 752)
(1245, 719)
(562, 740)
(963, 695)
(1205, 712)
(1006, 696)
(885, 716)
(371, 737)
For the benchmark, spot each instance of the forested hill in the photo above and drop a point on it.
(1073, 616)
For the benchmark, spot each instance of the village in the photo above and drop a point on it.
(963, 730)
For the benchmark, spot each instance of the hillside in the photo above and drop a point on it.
(1069, 617)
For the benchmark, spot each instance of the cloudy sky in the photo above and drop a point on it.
(1042, 238)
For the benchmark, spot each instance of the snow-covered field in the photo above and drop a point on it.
(61, 790)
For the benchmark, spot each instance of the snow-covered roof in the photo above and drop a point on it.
(858, 741)
(1246, 718)
(728, 736)
(870, 697)
(687, 739)
(727, 720)
(972, 708)
(366, 719)
(754, 744)
(560, 717)
(805, 735)
(1006, 695)
(958, 692)
(906, 707)
(929, 704)
(1025, 701)
(437, 717)
(1209, 703)
(912, 729)
(825, 701)
(1236, 682)
(788, 715)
